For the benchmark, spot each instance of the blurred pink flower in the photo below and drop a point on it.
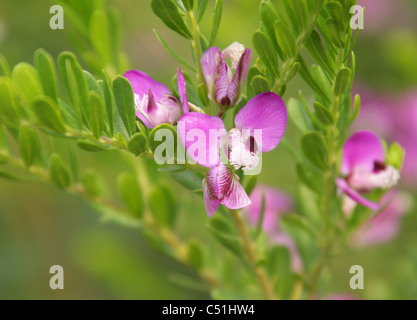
(383, 227)
(277, 203)
(394, 119)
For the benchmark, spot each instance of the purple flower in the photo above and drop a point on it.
(277, 203)
(385, 226)
(223, 87)
(364, 169)
(155, 103)
(260, 126)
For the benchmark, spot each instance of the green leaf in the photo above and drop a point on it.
(395, 156)
(46, 67)
(168, 12)
(188, 4)
(29, 146)
(76, 85)
(266, 52)
(297, 115)
(203, 93)
(154, 143)
(251, 184)
(322, 80)
(336, 10)
(93, 183)
(309, 178)
(109, 103)
(217, 17)
(93, 84)
(269, 16)
(335, 30)
(99, 35)
(130, 193)
(92, 146)
(189, 180)
(260, 84)
(175, 55)
(26, 81)
(137, 144)
(342, 81)
(48, 113)
(96, 114)
(202, 6)
(314, 148)
(195, 255)
(285, 39)
(163, 205)
(323, 114)
(294, 70)
(356, 108)
(4, 66)
(123, 95)
(279, 267)
(58, 172)
(315, 48)
(223, 232)
(8, 103)
(261, 217)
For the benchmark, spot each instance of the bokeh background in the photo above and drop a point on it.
(41, 226)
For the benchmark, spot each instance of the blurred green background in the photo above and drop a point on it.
(41, 226)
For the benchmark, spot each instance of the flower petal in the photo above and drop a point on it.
(211, 202)
(232, 194)
(361, 151)
(156, 114)
(141, 83)
(206, 129)
(268, 113)
(239, 78)
(210, 62)
(182, 90)
(341, 183)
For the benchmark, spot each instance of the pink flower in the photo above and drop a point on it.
(277, 203)
(155, 103)
(260, 126)
(364, 169)
(224, 88)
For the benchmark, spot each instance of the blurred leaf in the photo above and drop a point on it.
(195, 254)
(279, 267)
(48, 114)
(336, 33)
(266, 52)
(269, 16)
(58, 172)
(336, 10)
(252, 73)
(260, 84)
(202, 6)
(46, 67)
(294, 70)
(309, 178)
(323, 114)
(92, 146)
(4, 66)
(395, 156)
(96, 114)
(163, 205)
(298, 116)
(168, 12)
(251, 184)
(356, 108)
(130, 193)
(137, 144)
(76, 85)
(189, 180)
(285, 39)
(93, 84)
(93, 183)
(99, 35)
(8, 103)
(162, 131)
(203, 93)
(322, 81)
(29, 145)
(109, 103)
(173, 54)
(314, 148)
(261, 217)
(188, 4)
(342, 81)
(217, 17)
(123, 94)
(26, 81)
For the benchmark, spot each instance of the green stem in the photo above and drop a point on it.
(251, 255)
(196, 45)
